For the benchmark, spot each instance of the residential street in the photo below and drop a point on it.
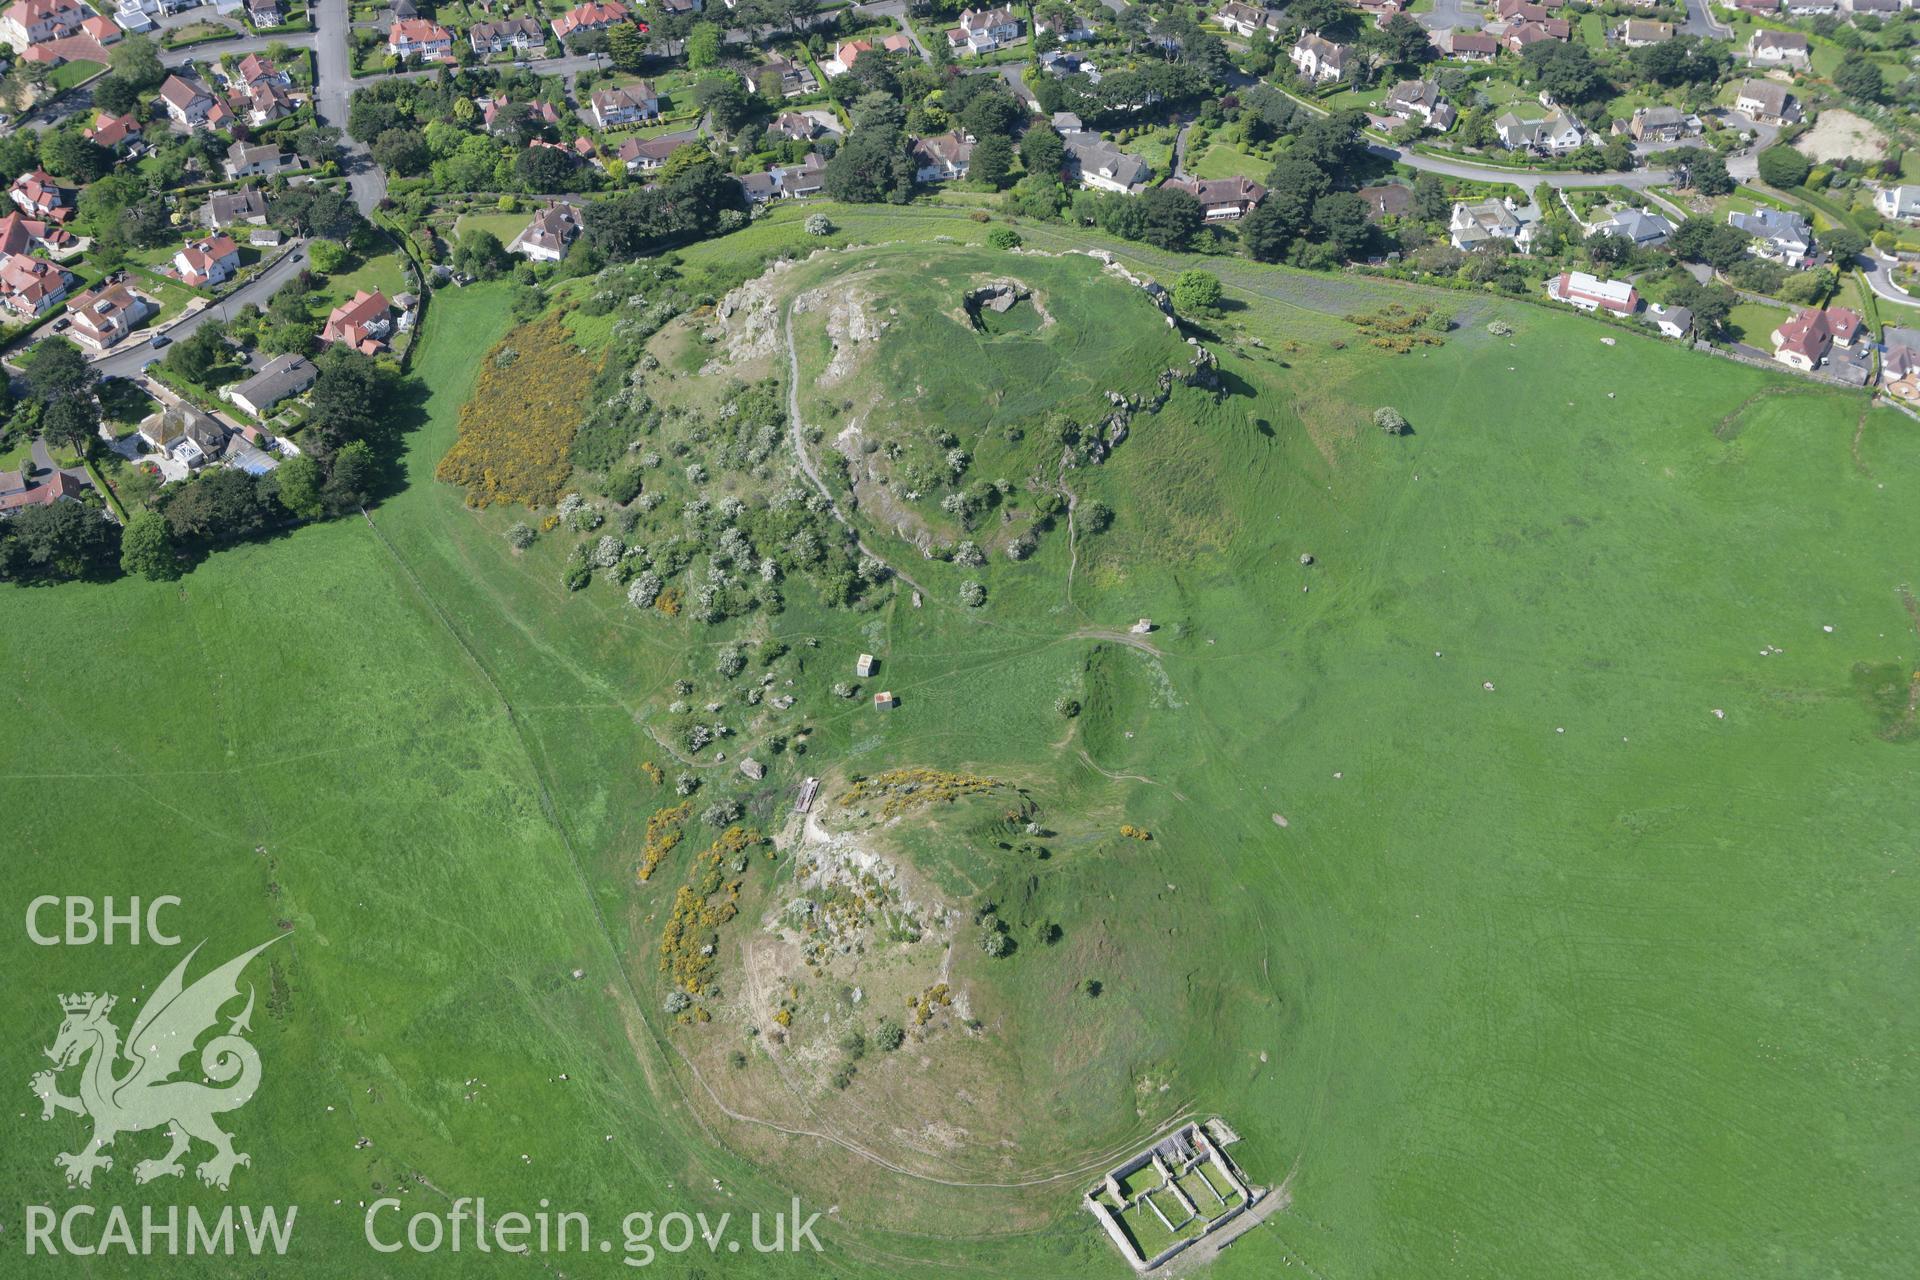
(126, 361)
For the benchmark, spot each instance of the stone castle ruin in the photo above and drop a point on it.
(1176, 1193)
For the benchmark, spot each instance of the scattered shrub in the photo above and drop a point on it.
(520, 536)
(888, 1035)
(972, 594)
(818, 224)
(1004, 238)
(1390, 420)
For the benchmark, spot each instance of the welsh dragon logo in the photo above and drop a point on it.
(146, 1095)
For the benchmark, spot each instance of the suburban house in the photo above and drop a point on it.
(254, 69)
(593, 16)
(226, 209)
(1810, 8)
(208, 262)
(1673, 322)
(498, 113)
(262, 103)
(1766, 102)
(1471, 46)
(1246, 19)
(786, 182)
(1554, 134)
(1222, 199)
(278, 378)
(419, 38)
(244, 161)
(983, 30)
(1901, 203)
(796, 78)
(115, 133)
(1760, 8)
(1658, 124)
(613, 108)
(363, 323)
(29, 284)
(1767, 48)
(643, 155)
(1420, 100)
(1473, 225)
(1809, 337)
(1779, 235)
(1381, 10)
(102, 316)
(518, 34)
(15, 495)
(1068, 27)
(1386, 200)
(266, 13)
(31, 22)
(187, 102)
(846, 53)
(39, 194)
(1584, 292)
(1638, 33)
(1643, 228)
(1103, 166)
(184, 434)
(941, 157)
(794, 126)
(1900, 361)
(1519, 36)
(1319, 60)
(546, 237)
(1878, 8)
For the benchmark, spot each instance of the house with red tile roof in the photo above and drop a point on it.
(208, 262)
(363, 323)
(16, 496)
(419, 38)
(30, 286)
(103, 316)
(1804, 341)
(593, 16)
(116, 133)
(31, 22)
(38, 194)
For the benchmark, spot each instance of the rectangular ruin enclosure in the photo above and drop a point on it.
(1172, 1195)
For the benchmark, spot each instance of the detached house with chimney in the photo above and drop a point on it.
(1248, 19)
(593, 16)
(39, 195)
(1221, 199)
(615, 108)
(1318, 60)
(29, 22)
(209, 262)
(103, 316)
(942, 158)
(1585, 292)
(516, 34)
(1767, 48)
(365, 323)
(1809, 338)
(546, 237)
(984, 30)
(188, 103)
(419, 38)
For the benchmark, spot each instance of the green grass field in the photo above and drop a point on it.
(1569, 975)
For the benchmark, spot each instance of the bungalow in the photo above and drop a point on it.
(643, 155)
(1768, 48)
(1766, 102)
(1810, 8)
(1471, 46)
(205, 263)
(1806, 340)
(266, 13)
(1779, 235)
(1420, 100)
(31, 22)
(1473, 225)
(546, 237)
(1658, 124)
(1103, 166)
(226, 209)
(39, 194)
(1319, 60)
(1246, 19)
(104, 315)
(1222, 199)
(1760, 8)
(1878, 8)
(518, 34)
(1584, 292)
(984, 30)
(279, 378)
(1638, 33)
(1520, 36)
(115, 133)
(596, 15)
(1673, 322)
(941, 157)
(614, 108)
(786, 182)
(795, 78)
(363, 323)
(187, 101)
(1555, 134)
(1642, 228)
(244, 161)
(420, 39)
(1899, 203)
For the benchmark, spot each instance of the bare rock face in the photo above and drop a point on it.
(998, 297)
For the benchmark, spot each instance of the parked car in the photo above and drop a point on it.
(158, 341)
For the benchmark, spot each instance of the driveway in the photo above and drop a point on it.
(128, 362)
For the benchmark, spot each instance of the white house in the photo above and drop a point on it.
(983, 30)
(942, 157)
(1482, 222)
(634, 104)
(1899, 203)
(1554, 134)
(1585, 292)
(1247, 19)
(1779, 235)
(1768, 48)
(1319, 60)
(205, 263)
